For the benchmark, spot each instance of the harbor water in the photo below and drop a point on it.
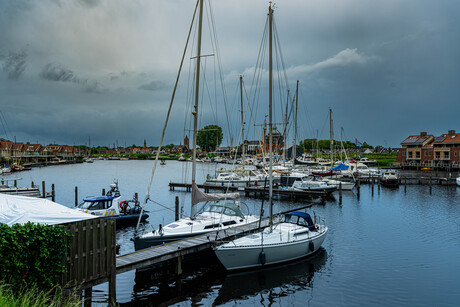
(390, 247)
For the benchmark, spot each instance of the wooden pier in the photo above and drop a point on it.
(205, 187)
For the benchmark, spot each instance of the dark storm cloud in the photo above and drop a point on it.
(153, 86)
(57, 72)
(14, 64)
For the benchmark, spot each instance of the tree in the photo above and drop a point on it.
(209, 137)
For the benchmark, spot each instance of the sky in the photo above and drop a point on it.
(104, 70)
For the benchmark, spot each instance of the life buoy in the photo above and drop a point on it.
(123, 205)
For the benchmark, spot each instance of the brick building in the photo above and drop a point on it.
(428, 150)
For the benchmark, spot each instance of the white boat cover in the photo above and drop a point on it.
(21, 209)
(198, 196)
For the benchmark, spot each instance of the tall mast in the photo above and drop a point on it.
(242, 121)
(332, 138)
(285, 127)
(197, 90)
(270, 119)
(294, 146)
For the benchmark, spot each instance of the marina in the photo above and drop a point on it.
(381, 262)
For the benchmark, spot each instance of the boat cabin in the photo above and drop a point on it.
(300, 218)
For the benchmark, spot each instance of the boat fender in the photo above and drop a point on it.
(262, 257)
(311, 246)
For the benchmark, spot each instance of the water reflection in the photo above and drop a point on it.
(291, 277)
(205, 279)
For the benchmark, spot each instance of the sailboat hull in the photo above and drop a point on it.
(240, 257)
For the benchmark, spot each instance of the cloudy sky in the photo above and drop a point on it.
(105, 69)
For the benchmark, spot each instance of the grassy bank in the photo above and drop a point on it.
(36, 298)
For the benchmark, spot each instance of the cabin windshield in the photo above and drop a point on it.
(96, 205)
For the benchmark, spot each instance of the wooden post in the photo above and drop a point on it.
(3, 182)
(179, 265)
(53, 193)
(359, 187)
(32, 184)
(405, 184)
(15, 183)
(340, 193)
(430, 184)
(112, 265)
(88, 296)
(378, 188)
(43, 189)
(76, 196)
(176, 212)
(103, 192)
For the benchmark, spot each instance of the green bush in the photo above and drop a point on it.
(32, 255)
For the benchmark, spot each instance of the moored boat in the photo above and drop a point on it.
(295, 237)
(126, 212)
(389, 178)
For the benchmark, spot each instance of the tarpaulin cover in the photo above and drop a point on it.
(341, 167)
(21, 209)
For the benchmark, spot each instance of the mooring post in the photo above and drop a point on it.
(136, 196)
(53, 193)
(43, 189)
(378, 186)
(103, 192)
(405, 185)
(176, 211)
(179, 265)
(3, 182)
(88, 297)
(358, 187)
(340, 193)
(76, 196)
(32, 184)
(430, 184)
(15, 183)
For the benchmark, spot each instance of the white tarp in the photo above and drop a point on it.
(21, 209)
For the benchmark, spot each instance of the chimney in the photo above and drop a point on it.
(422, 133)
(451, 132)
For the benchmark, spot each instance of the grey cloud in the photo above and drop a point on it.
(59, 73)
(90, 3)
(14, 64)
(152, 86)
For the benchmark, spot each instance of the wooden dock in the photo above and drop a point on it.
(205, 187)
(178, 249)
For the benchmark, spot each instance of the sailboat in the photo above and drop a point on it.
(220, 211)
(295, 236)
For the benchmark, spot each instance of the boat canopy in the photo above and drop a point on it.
(98, 198)
(341, 167)
(199, 196)
(228, 208)
(305, 216)
(16, 209)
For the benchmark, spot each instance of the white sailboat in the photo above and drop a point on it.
(295, 236)
(219, 211)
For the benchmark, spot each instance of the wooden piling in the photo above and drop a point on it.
(340, 193)
(405, 185)
(32, 184)
(88, 297)
(53, 193)
(103, 192)
(176, 211)
(15, 183)
(358, 186)
(43, 189)
(76, 196)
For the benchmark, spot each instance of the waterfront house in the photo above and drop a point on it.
(427, 150)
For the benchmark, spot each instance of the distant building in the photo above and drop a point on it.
(428, 150)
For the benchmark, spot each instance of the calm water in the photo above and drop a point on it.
(387, 248)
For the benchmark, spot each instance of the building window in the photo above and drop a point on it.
(410, 154)
(429, 153)
(446, 155)
(455, 153)
(425, 154)
(417, 155)
(437, 155)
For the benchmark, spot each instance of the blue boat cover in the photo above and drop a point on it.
(98, 198)
(307, 217)
(341, 167)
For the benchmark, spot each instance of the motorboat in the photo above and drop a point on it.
(126, 212)
(219, 212)
(296, 236)
(458, 181)
(162, 162)
(312, 185)
(346, 185)
(238, 178)
(389, 178)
